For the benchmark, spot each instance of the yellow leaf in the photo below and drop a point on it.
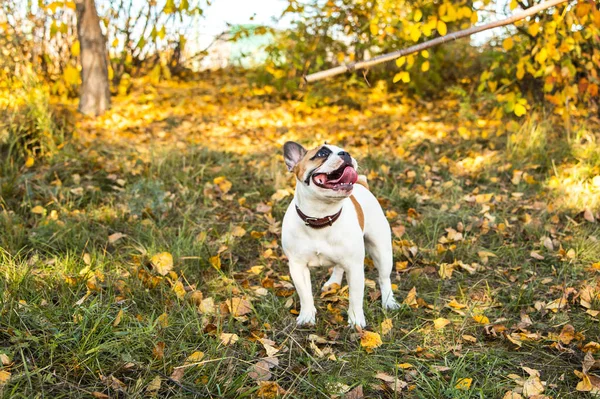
(215, 261)
(445, 271)
(534, 29)
(386, 326)
(280, 194)
(163, 263)
(418, 15)
(238, 306)
(508, 43)
(29, 162)
(440, 323)
(567, 334)
(163, 320)
(154, 385)
(195, 357)
(370, 340)
(118, 318)
(405, 366)
(38, 210)
(4, 377)
(454, 304)
(442, 28)
(415, 33)
(400, 61)
(75, 49)
(520, 110)
(463, 384)
(238, 231)
(256, 269)
(411, 298)
(223, 183)
(425, 54)
(533, 386)
(481, 319)
(228, 339)
(179, 290)
(425, 66)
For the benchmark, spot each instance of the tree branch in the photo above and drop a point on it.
(434, 42)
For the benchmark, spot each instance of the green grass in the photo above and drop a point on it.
(168, 202)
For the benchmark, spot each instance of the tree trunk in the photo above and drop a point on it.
(94, 97)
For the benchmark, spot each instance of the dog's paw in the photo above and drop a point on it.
(391, 304)
(357, 320)
(306, 317)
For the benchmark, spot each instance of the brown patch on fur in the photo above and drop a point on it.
(362, 180)
(307, 164)
(359, 212)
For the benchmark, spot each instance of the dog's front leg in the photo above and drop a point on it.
(356, 286)
(301, 278)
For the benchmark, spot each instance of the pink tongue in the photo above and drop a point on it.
(349, 176)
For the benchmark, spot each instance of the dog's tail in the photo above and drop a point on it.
(362, 180)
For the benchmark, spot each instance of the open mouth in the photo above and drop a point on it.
(340, 179)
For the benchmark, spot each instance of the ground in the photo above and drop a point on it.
(144, 257)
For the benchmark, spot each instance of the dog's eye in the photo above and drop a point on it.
(323, 153)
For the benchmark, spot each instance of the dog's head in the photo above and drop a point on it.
(328, 171)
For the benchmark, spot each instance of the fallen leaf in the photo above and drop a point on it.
(533, 386)
(38, 210)
(386, 326)
(115, 237)
(4, 377)
(588, 215)
(405, 366)
(356, 393)
(163, 320)
(512, 395)
(260, 371)
(238, 306)
(159, 350)
(370, 340)
(411, 298)
(269, 390)
(228, 339)
(238, 231)
(154, 385)
(440, 323)
(536, 255)
(215, 261)
(481, 319)
(567, 334)
(179, 290)
(463, 384)
(195, 357)
(100, 395)
(163, 263)
(4, 359)
(118, 318)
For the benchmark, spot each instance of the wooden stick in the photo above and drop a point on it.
(313, 77)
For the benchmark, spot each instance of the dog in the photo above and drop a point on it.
(331, 221)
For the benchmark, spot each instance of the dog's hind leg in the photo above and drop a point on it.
(336, 278)
(380, 251)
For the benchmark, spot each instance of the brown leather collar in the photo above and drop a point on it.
(318, 223)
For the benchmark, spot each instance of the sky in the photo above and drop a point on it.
(221, 12)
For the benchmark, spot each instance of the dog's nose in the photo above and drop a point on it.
(345, 156)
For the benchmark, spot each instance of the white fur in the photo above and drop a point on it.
(341, 245)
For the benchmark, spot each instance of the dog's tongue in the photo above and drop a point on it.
(348, 177)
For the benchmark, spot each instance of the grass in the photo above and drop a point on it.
(81, 316)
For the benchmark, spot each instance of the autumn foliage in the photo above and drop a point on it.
(140, 250)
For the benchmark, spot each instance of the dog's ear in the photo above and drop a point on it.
(292, 153)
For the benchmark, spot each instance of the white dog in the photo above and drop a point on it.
(331, 222)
